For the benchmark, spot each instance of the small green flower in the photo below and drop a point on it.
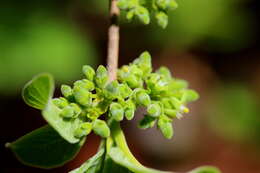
(147, 122)
(162, 19)
(165, 126)
(116, 111)
(85, 84)
(101, 77)
(89, 72)
(143, 14)
(142, 98)
(83, 130)
(164, 71)
(82, 96)
(167, 4)
(113, 90)
(101, 128)
(60, 102)
(154, 110)
(125, 90)
(129, 113)
(66, 91)
(67, 112)
(189, 96)
(77, 110)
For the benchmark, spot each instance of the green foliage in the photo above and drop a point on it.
(137, 86)
(44, 148)
(76, 114)
(37, 92)
(97, 104)
(94, 164)
(143, 9)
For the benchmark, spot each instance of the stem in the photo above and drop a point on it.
(113, 40)
(112, 65)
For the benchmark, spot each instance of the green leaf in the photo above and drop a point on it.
(205, 169)
(44, 148)
(65, 127)
(119, 157)
(93, 165)
(111, 166)
(37, 92)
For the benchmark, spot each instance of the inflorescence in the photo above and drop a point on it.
(163, 97)
(143, 9)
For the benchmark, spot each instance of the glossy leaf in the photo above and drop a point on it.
(118, 156)
(44, 148)
(93, 165)
(65, 127)
(205, 169)
(111, 166)
(37, 92)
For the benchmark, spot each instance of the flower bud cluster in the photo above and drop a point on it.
(163, 97)
(142, 9)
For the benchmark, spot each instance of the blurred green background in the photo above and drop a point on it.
(212, 44)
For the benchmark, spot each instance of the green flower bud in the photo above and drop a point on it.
(101, 128)
(143, 14)
(83, 130)
(162, 3)
(82, 96)
(165, 126)
(79, 133)
(76, 109)
(175, 103)
(89, 72)
(157, 83)
(67, 112)
(130, 15)
(60, 102)
(166, 4)
(116, 111)
(171, 113)
(126, 4)
(164, 71)
(166, 103)
(144, 63)
(85, 84)
(162, 19)
(101, 77)
(161, 86)
(154, 110)
(133, 81)
(142, 98)
(178, 84)
(129, 113)
(123, 73)
(66, 91)
(189, 96)
(172, 4)
(113, 88)
(87, 127)
(147, 122)
(134, 69)
(124, 90)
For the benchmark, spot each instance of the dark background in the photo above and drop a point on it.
(212, 44)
